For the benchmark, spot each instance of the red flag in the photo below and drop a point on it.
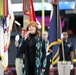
(32, 12)
(29, 13)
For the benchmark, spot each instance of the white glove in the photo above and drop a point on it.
(51, 66)
(17, 37)
(62, 36)
(71, 67)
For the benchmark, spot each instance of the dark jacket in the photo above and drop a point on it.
(68, 47)
(38, 47)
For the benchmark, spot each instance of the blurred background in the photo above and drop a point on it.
(67, 14)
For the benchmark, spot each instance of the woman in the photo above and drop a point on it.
(34, 49)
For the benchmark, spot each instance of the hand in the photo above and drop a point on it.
(51, 66)
(71, 67)
(16, 43)
(27, 34)
(43, 70)
(62, 36)
(17, 37)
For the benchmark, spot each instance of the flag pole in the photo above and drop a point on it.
(43, 19)
(64, 62)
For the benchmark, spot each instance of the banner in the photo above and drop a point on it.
(29, 13)
(26, 9)
(32, 12)
(55, 34)
(10, 15)
(5, 44)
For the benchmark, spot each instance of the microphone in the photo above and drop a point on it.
(26, 35)
(17, 37)
(28, 32)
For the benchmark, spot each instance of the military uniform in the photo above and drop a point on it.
(64, 68)
(68, 47)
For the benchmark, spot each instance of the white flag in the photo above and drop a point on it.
(1, 43)
(11, 15)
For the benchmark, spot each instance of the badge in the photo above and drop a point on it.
(69, 45)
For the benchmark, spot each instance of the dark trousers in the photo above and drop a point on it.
(47, 65)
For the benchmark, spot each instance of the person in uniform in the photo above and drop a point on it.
(66, 56)
(68, 49)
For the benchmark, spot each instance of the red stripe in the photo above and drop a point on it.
(23, 5)
(5, 8)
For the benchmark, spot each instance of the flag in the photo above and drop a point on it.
(26, 9)
(3, 43)
(9, 23)
(26, 21)
(5, 28)
(10, 20)
(10, 15)
(5, 40)
(29, 13)
(54, 34)
(1, 8)
(32, 12)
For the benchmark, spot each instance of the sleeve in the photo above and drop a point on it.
(44, 59)
(72, 47)
(71, 53)
(22, 47)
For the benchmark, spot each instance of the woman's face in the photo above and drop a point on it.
(32, 29)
